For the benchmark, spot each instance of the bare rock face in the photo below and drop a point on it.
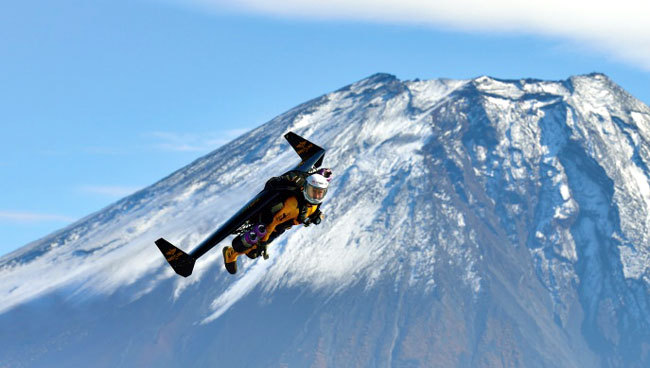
(471, 223)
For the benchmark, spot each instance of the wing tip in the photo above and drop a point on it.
(181, 262)
(304, 148)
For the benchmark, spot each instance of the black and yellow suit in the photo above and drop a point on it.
(293, 210)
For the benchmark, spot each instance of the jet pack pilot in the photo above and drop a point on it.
(299, 203)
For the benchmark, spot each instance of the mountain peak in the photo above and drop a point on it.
(598, 75)
(467, 218)
(381, 77)
(374, 80)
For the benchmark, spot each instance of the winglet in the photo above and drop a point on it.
(181, 262)
(304, 148)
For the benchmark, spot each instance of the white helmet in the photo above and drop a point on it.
(315, 188)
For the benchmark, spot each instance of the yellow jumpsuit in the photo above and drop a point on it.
(289, 212)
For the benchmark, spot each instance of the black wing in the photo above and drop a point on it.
(260, 201)
(311, 154)
(183, 263)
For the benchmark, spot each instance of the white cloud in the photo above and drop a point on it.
(174, 142)
(194, 142)
(619, 28)
(30, 217)
(110, 190)
(108, 151)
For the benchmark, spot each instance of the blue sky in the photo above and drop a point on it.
(101, 98)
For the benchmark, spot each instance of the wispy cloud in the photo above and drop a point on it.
(31, 217)
(194, 142)
(115, 191)
(52, 152)
(618, 28)
(107, 151)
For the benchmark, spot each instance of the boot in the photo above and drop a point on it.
(230, 259)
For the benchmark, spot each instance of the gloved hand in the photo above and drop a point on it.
(315, 218)
(319, 218)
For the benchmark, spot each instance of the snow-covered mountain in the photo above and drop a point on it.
(471, 223)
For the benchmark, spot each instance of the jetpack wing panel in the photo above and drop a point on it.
(311, 154)
(249, 210)
(260, 201)
(303, 147)
(182, 263)
(306, 150)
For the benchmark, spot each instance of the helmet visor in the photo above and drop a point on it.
(316, 194)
